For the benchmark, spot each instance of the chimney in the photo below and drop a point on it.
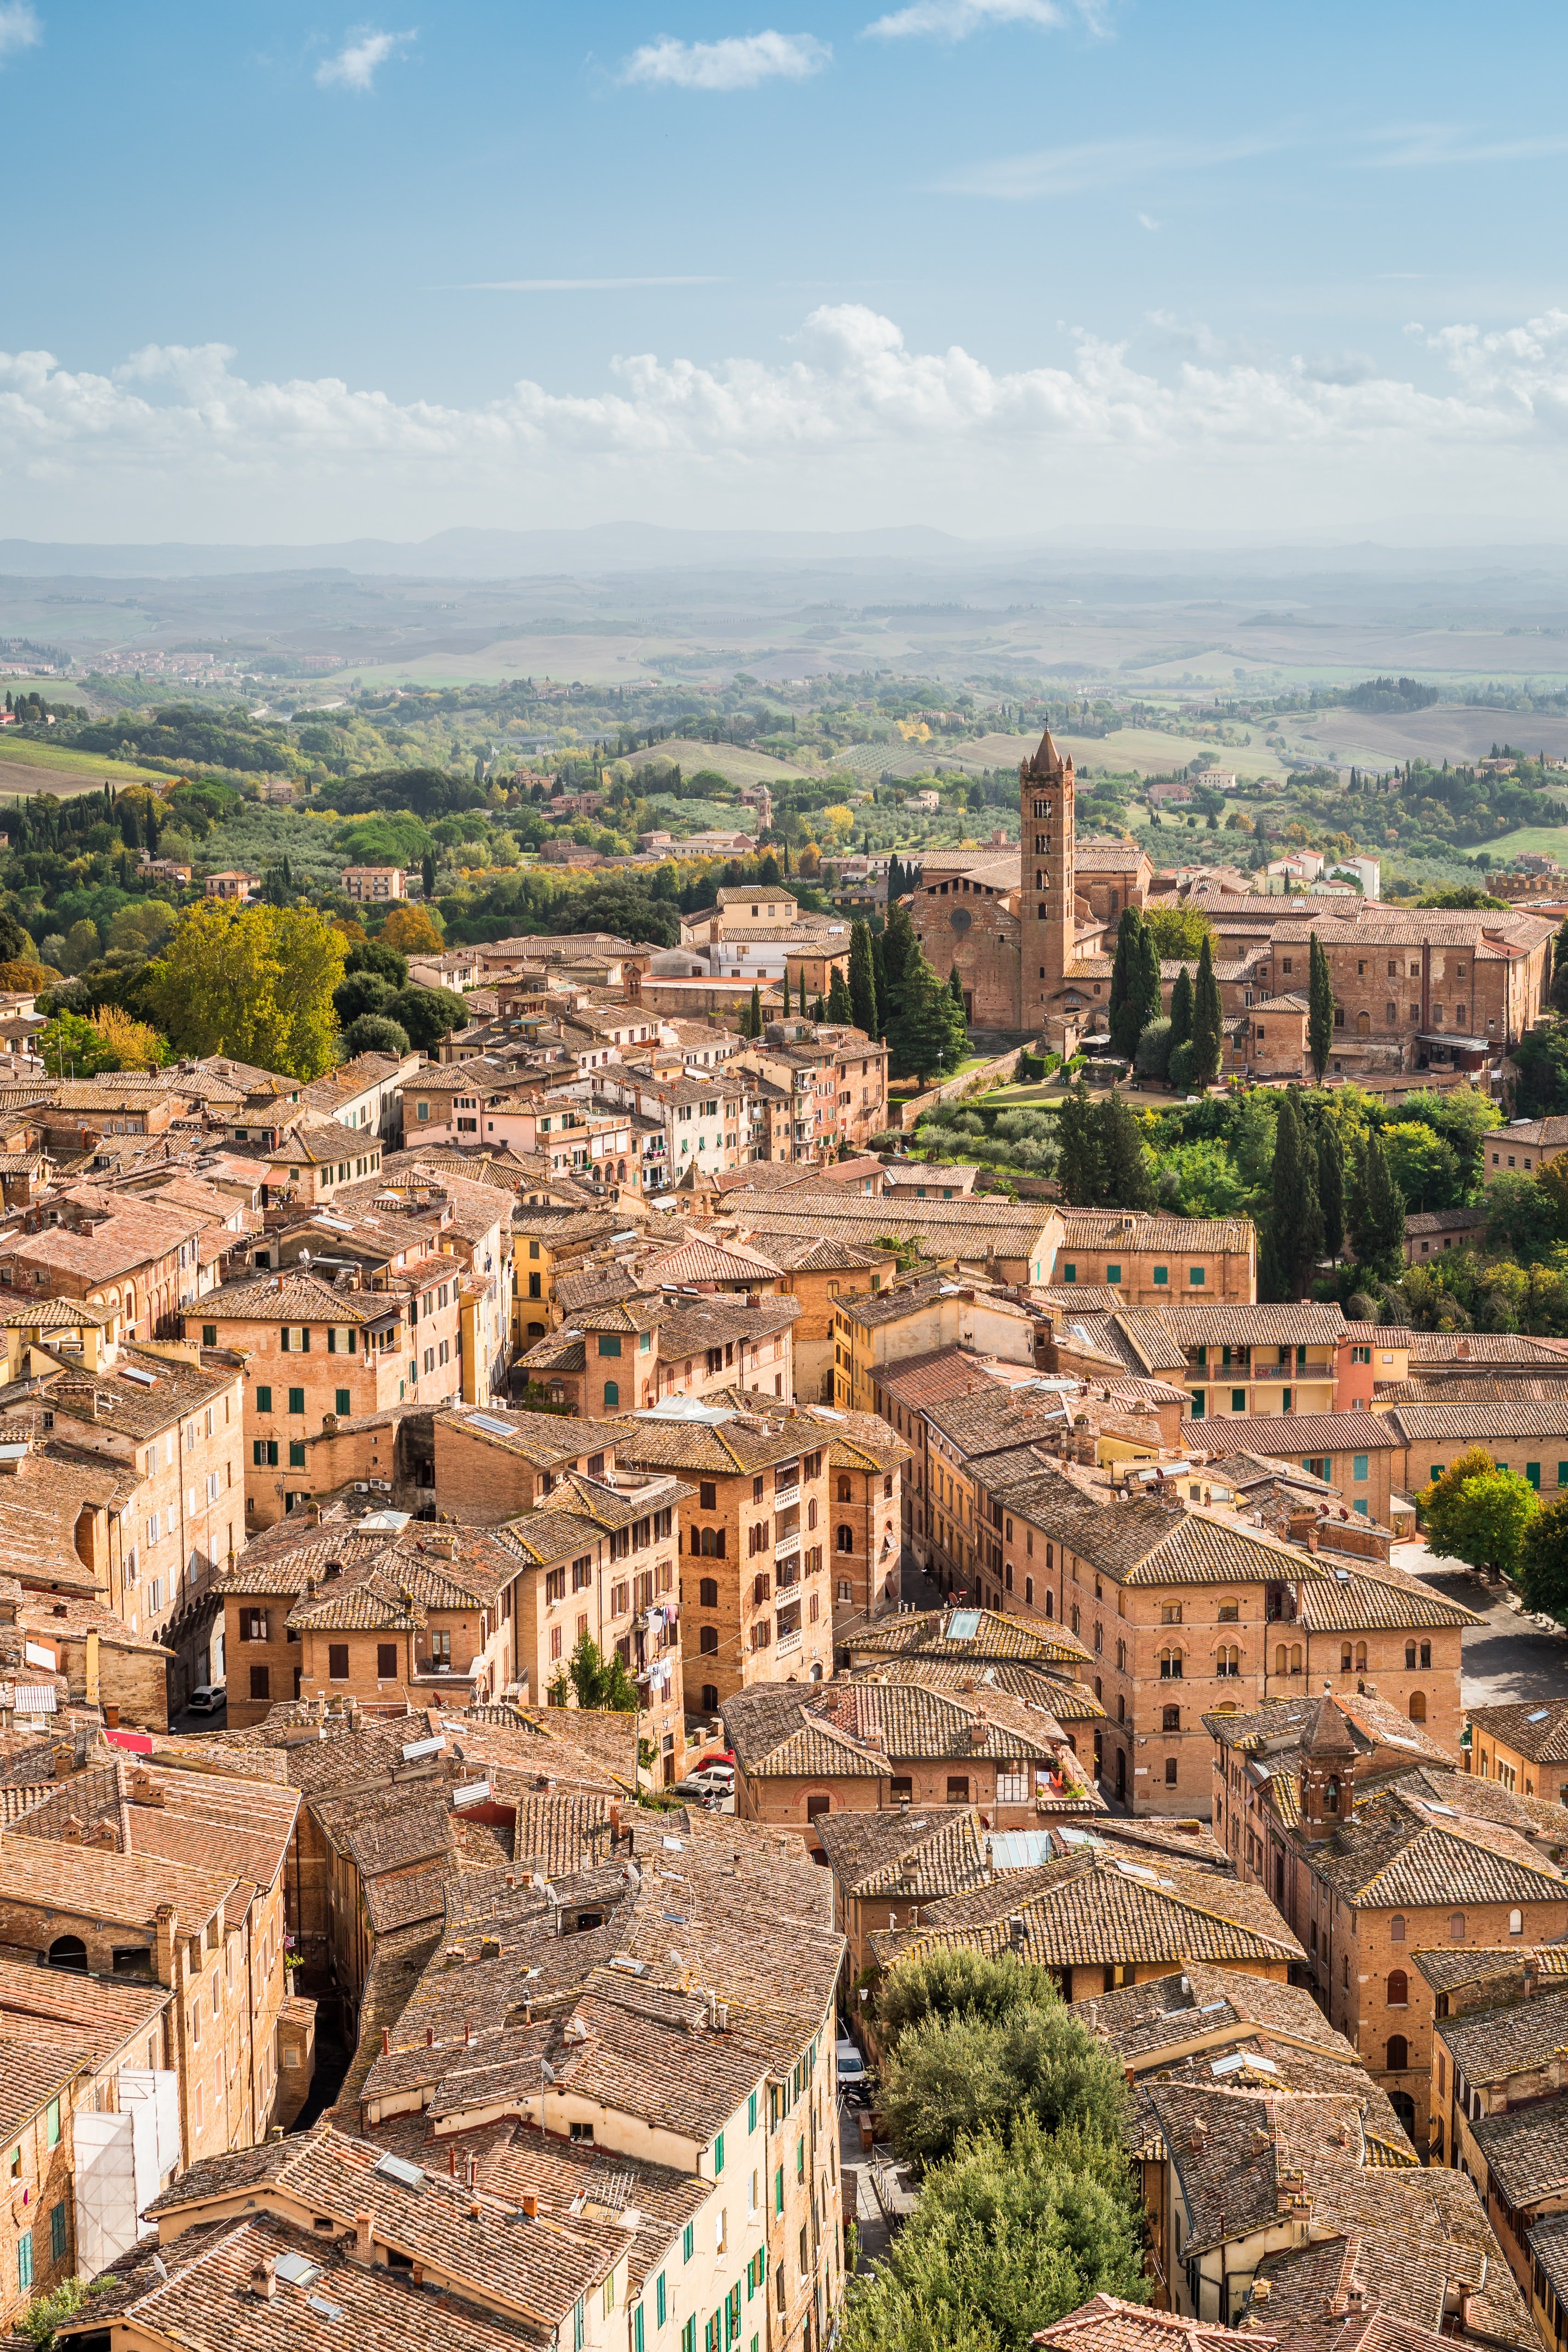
(167, 1923)
(362, 2226)
(530, 2207)
(430, 2037)
(264, 2279)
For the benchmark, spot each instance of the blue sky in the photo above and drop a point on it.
(1006, 266)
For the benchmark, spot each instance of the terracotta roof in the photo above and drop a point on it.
(1538, 1732)
(1488, 2045)
(1108, 1229)
(997, 1639)
(1288, 1435)
(1099, 1907)
(1108, 2325)
(1481, 1424)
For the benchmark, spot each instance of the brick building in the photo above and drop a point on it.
(755, 1575)
(1373, 1856)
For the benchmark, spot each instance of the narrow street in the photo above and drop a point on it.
(1510, 1657)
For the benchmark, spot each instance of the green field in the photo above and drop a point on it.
(1547, 840)
(27, 767)
(1141, 751)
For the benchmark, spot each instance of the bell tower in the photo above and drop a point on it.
(1046, 836)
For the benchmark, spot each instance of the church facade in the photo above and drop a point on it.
(1031, 934)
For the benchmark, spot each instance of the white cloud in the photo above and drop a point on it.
(851, 426)
(1101, 163)
(739, 62)
(357, 62)
(955, 20)
(577, 285)
(1146, 220)
(19, 27)
(1409, 146)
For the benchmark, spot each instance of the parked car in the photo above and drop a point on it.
(714, 1756)
(207, 1698)
(713, 1783)
(853, 2078)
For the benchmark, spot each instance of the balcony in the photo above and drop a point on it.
(787, 1644)
(787, 1546)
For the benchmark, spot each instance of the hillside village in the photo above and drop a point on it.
(563, 1597)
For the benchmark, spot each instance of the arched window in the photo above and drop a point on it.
(843, 1490)
(611, 1396)
(846, 1540)
(1331, 1793)
(1398, 1988)
(1050, 1598)
(1170, 1665)
(1398, 2054)
(1410, 1655)
(707, 1641)
(1280, 1661)
(1007, 1576)
(713, 1543)
(1029, 1595)
(1345, 1657)
(707, 1593)
(621, 1171)
(811, 1512)
(1456, 1926)
(1396, 1928)
(1426, 1657)
(1418, 1706)
(1295, 1657)
(68, 1952)
(817, 1805)
(1361, 1658)
(1227, 1662)
(1516, 1923)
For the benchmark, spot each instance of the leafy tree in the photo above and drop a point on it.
(959, 1983)
(359, 992)
(253, 982)
(1201, 1180)
(839, 1005)
(1153, 1058)
(1183, 1070)
(375, 955)
(1543, 1562)
(1478, 1512)
(1560, 967)
(1541, 1058)
(134, 1043)
(427, 1014)
(412, 931)
(1127, 1180)
(83, 947)
(1378, 1211)
(1081, 1167)
(1008, 2237)
(1320, 1008)
(1464, 1117)
(1208, 1024)
(945, 2078)
(925, 1037)
(960, 1013)
(598, 1678)
(1181, 1009)
(1465, 896)
(1296, 1224)
(1331, 1187)
(899, 949)
(863, 981)
(45, 2313)
(372, 1032)
(1521, 1217)
(1425, 1168)
(1178, 932)
(73, 1043)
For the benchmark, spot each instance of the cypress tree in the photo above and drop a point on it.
(1208, 1026)
(920, 1041)
(754, 1012)
(863, 981)
(1123, 1018)
(839, 1005)
(427, 873)
(960, 1013)
(1379, 1210)
(1146, 979)
(879, 981)
(1181, 1009)
(1320, 1008)
(787, 991)
(900, 953)
(1330, 1187)
(1125, 1181)
(1081, 1162)
(1560, 968)
(1297, 1224)
(818, 1010)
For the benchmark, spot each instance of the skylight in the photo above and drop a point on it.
(395, 2168)
(496, 1428)
(963, 1625)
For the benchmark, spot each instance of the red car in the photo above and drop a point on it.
(714, 1756)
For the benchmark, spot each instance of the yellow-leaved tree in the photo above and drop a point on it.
(252, 982)
(135, 1046)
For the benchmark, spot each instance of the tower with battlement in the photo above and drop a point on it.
(1046, 906)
